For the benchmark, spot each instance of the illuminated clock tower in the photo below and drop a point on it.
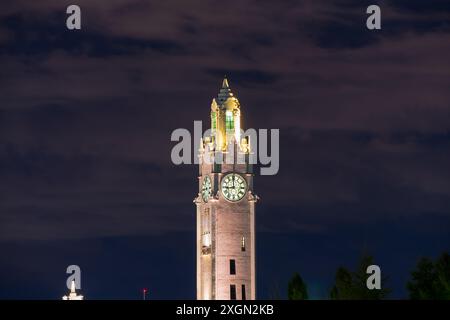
(225, 206)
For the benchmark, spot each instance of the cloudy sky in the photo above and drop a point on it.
(86, 117)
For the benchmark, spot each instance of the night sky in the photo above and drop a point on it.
(86, 117)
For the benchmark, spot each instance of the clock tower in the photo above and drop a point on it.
(225, 206)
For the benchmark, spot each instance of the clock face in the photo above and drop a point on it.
(233, 187)
(206, 188)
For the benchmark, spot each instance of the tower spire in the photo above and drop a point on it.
(225, 84)
(225, 91)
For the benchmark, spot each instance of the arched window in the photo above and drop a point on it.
(229, 121)
(206, 231)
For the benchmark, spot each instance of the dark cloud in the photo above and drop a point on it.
(245, 77)
(86, 118)
(433, 24)
(421, 7)
(340, 34)
(31, 35)
(344, 24)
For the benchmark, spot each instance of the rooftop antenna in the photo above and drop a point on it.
(144, 294)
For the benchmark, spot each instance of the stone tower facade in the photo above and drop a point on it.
(225, 206)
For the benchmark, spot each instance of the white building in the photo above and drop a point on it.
(73, 294)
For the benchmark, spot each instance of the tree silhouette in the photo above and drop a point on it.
(353, 285)
(343, 287)
(431, 280)
(297, 289)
